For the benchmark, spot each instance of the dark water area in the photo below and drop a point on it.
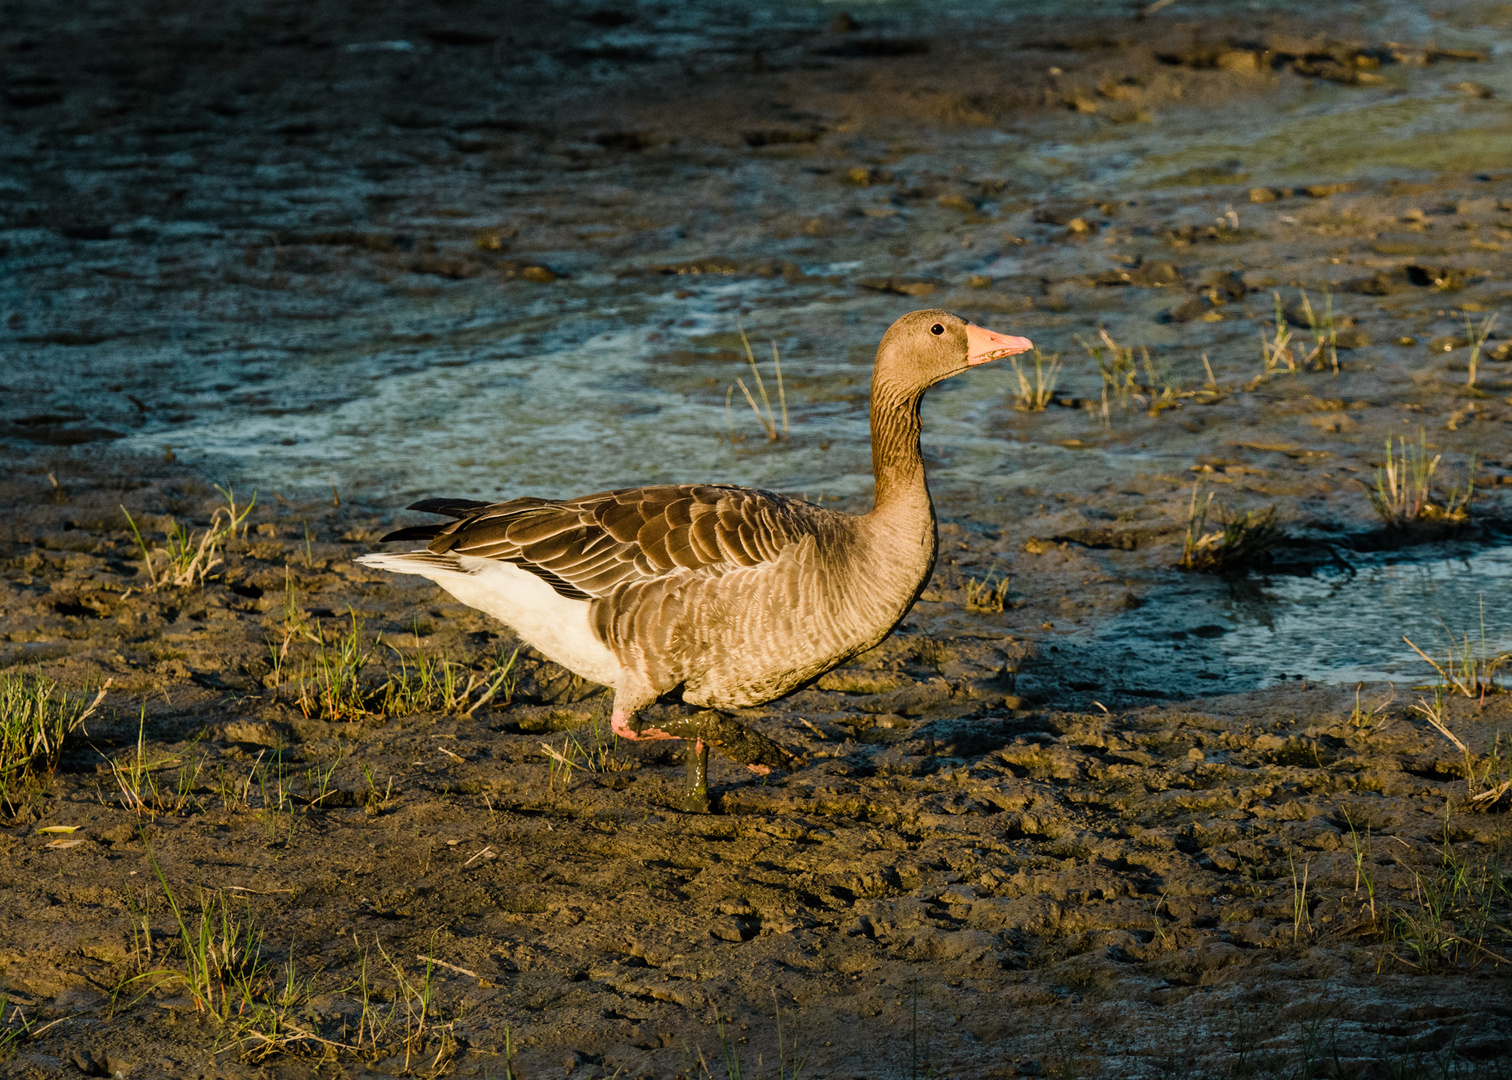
(1343, 623)
(495, 252)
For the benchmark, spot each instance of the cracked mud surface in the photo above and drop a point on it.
(1014, 849)
(1042, 886)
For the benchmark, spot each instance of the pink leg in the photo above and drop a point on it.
(619, 723)
(760, 770)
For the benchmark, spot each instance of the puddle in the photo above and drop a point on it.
(1337, 626)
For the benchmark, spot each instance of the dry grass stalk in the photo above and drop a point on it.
(1120, 373)
(1240, 540)
(1466, 670)
(768, 419)
(1487, 779)
(599, 758)
(1477, 338)
(1403, 494)
(1324, 331)
(1363, 716)
(1301, 915)
(987, 596)
(143, 787)
(1276, 352)
(1034, 396)
(187, 562)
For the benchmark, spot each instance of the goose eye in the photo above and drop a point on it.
(937, 329)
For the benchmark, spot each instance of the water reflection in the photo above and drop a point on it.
(1342, 625)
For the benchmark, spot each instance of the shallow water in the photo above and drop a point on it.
(1343, 624)
(611, 377)
(478, 390)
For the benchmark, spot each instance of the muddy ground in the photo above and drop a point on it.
(1001, 858)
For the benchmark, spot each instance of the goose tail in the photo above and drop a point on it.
(424, 563)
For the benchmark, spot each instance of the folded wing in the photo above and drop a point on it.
(587, 547)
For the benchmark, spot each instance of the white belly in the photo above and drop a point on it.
(545, 619)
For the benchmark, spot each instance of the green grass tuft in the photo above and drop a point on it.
(35, 718)
(1240, 541)
(1404, 495)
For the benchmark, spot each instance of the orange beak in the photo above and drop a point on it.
(984, 345)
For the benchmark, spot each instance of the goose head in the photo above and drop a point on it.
(926, 347)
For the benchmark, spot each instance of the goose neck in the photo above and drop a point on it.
(897, 466)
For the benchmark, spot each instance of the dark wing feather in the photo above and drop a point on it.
(588, 547)
(452, 508)
(414, 532)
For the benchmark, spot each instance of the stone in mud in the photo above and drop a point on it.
(1218, 233)
(858, 681)
(865, 176)
(1381, 283)
(538, 273)
(1436, 277)
(1333, 71)
(714, 264)
(1390, 282)
(539, 719)
(1240, 61)
(1146, 274)
(725, 266)
(1472, 89)
(1193, 307)
(248, 733)
(1224, 286)
(1061, 213)
(901, 286)
(1323, 191)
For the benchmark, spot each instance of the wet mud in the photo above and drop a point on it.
(1083, 815)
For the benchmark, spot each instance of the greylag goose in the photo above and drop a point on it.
(731, 595)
